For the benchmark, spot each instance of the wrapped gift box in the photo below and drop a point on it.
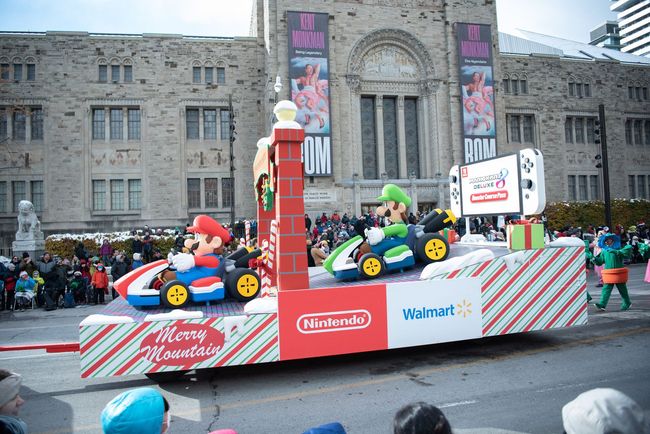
(449, 234)
(525, 236)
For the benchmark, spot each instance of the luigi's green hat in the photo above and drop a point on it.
(393, 193)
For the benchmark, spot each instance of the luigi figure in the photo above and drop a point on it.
(396, 237)
(614, 273)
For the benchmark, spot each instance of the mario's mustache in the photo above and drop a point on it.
(194, 247)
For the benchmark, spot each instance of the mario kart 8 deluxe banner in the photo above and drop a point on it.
(309, 78)
(477, 91)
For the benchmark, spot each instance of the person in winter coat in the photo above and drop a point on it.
(100, 284)
(80, 251)
(39, 289)
(106, 251)
(27, 264)
(24, 291)
(136, 245)
(79, 288)
(118, 270)
(10, 403)
(10, 286)
(137, 261)
(143, 410)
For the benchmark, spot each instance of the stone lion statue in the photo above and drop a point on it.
(28, 225)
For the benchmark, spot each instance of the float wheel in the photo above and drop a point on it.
(243, 284)
(432, 248)
(174, 294)
(371, 266)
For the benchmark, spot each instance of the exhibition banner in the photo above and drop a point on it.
(477, 91)
(309, 78)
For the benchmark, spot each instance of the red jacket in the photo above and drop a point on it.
(100, 279)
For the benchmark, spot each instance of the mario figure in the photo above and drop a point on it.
(396, 237)
(200, 267)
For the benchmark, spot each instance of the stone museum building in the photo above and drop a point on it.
(107, 132)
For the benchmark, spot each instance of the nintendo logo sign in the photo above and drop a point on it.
(325, 322)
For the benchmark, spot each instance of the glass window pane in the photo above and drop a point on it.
(637, 132)
(590, 130)
(221, 75)
(594, 186)
(580, 132)
(568, 130)
(211, 196)
(227, 192)
(3, 123)
(18, 71)
(4, 71)
(647, 133)
(18, 193)
(523, 84)
(638, 93)
(103, 73)
(37, 195)
(572, 187)
(582, 187)
(572, 88)
(193, 193)
(506, 85)
(210, 124)
(19, 125)
(209, 72)
(98, 124)
(99, 195)
(134, 124)
(196, 74)
(128, 73)
(412, 137)
(225, 124)
(117, 194)
(3, 196)
(37, 124)
(115, 73)
(515, 135)
(117, 124)
(515, 86)
(391, 156)
(529, 127)
(645, 93)
(631, 186)
(628, 132)
(368, 138)
(192, 123)
(641, 186)
(579, 89)
(630, 92)
(135, 194)
(587, 88)
(31, 72)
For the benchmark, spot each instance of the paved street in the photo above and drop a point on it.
(516, 382)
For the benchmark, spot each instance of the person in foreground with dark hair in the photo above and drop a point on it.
(143, 411)
(420, 418)
(10, 403)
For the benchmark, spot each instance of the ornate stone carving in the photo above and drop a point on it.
(389, 61)
(354, 82)
(429, 87)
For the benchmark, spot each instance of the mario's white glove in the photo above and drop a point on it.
(374, 236)
(183, 261)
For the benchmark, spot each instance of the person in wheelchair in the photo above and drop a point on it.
(24, 291)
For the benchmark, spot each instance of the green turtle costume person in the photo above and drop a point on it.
(614, 273)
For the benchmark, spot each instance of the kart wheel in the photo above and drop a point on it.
(432, 248)
(243, 284)
(371, 266)
(174, 294)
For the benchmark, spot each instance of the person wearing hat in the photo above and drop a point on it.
(10, 403)
(79, 288)
(143, 410)
(24, 291)
(38, 289)
(611, 256)
(391, 240)
(206, 247)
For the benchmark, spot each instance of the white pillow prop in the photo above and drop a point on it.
(437, 268)
(473, 238)
(514, 260)
(567, 242)
(261, 305)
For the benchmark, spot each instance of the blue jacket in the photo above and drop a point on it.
(135, 411)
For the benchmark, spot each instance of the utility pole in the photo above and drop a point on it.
(231, 118)
(600, 134)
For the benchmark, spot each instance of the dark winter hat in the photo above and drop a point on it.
(25, 255)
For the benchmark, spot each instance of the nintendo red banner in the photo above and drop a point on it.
(330, 321)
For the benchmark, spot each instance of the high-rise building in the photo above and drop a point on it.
(634, 25)
(606, 36)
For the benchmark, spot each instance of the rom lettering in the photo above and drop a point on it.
(317, 155)
(480, 149)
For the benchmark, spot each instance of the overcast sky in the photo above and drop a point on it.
(569, 19)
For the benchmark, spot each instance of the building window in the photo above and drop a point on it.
(4, 71)
(227, 192)
(412, 140)
(209, 72)
(579, 130)
(628, 132)
(513, 129)
(19, 125)
(31, 72)
(18, 71)
(647, 133)
(594, 186)
(582, 187)
(117, 195)
(587, 89)
(221, 75)
(391, 155)
(115, 73)
(630, 92)
(210, 124)
(514, 85)
(3, 123)
(134, 124)
(128, 73)
(638, 132)
(135, 194)
(572, 88)
(520, 128)
(631, 185)
(644, 92)
(572, 187)
(638, 93)
(193, 193)
(99, 133)
(192, 123)
(99, 195)
(211, 195)
(196, 74)
(578, 88)
(117, 124)
(523, 86)
(37, 124)
(529, 128)
(568, 130)
(641, 186)
(18, 193)
(37, 195)
(591, 126)
(225, 124)
(3, 196)
(103, 73)
(506, 85)
(368, 138)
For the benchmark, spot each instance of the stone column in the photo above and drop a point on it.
(379, 127)
(401, 137)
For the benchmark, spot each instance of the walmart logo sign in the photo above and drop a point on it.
(425, 312)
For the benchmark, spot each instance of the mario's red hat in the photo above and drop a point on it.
(204, 224)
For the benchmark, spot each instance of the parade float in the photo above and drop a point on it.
(479, 290)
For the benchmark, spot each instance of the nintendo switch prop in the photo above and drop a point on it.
(510, 184)
(294, 312)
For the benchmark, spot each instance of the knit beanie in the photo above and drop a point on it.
(139, 410)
